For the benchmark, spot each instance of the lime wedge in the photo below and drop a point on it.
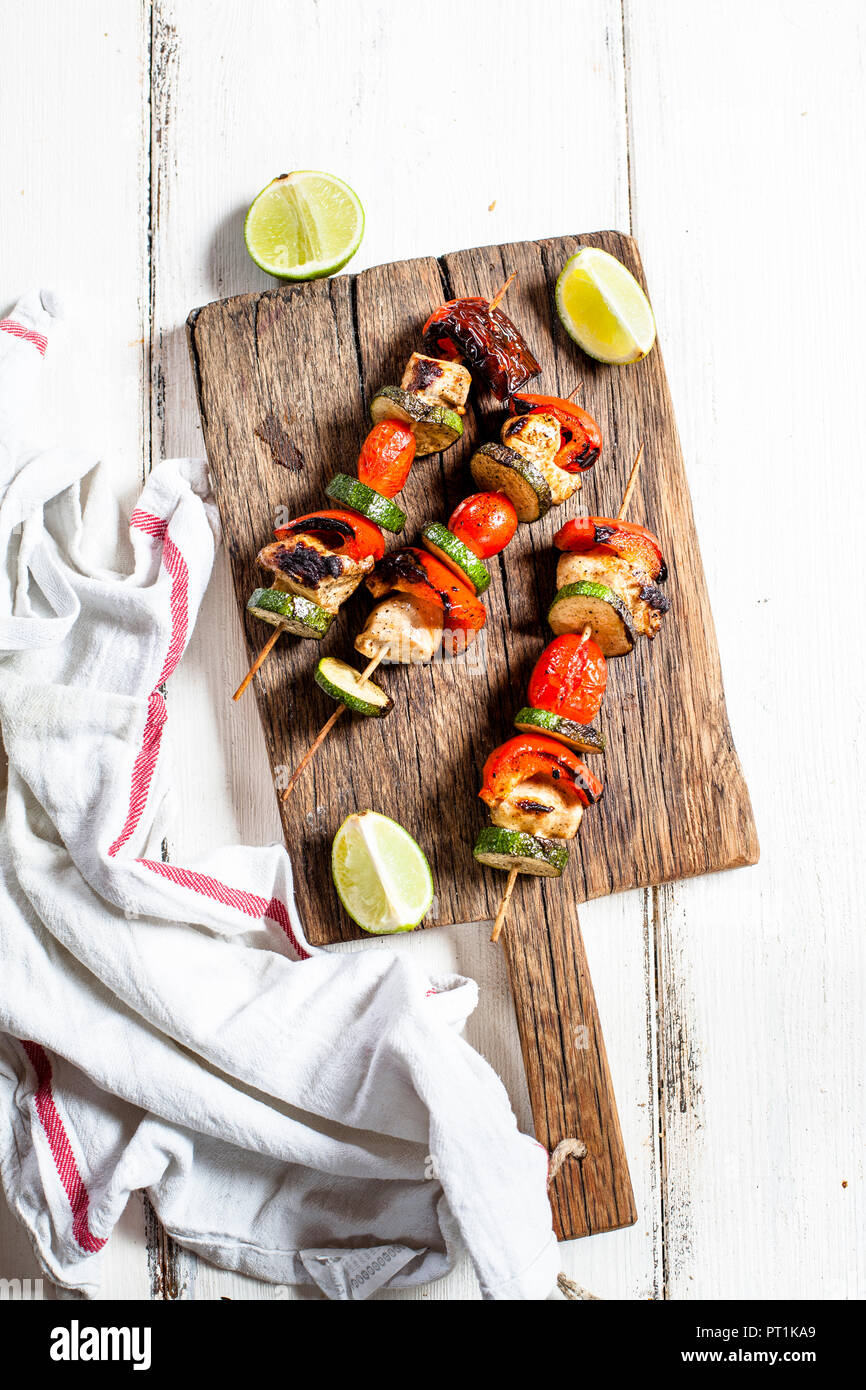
(603, 307)
(380, 873)
(304, 225)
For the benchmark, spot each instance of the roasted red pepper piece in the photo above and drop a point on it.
(485, 339)
(581, 436)
(401, 570)
(464, 611)
(569, 679)
(533, 755)
(345, 532)
(485, 522)
(386, 457)
(609, 536)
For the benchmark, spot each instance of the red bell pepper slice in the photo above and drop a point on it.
(607, 535)
(345, 532)
(533, 755)
(464, 611)
(485, 339)
(569, 679)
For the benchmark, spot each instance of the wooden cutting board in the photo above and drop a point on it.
(284, 380)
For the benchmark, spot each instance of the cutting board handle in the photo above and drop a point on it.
(566, 1065)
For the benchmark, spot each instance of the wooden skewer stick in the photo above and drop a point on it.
(584, 637)
(503, 906)
(573, 392)
(265, 652)
(629, 487)
(500, 293)
(327, 727)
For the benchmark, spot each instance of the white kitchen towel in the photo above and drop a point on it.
(295, 1114)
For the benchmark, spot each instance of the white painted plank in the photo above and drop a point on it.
(431, 122)
(73, 216)
(746, 125)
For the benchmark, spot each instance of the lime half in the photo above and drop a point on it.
(304, 225)
(603, 307)
(381, 874)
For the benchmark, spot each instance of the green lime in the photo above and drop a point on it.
(304, 225)
(380, 873)
(603, 307)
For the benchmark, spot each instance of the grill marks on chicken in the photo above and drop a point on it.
(306, 565)
(540, 806)
(537, 438)
(437, 381)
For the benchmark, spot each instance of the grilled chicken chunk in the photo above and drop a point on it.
(305, 565)
(409, 630)
(437, 381)
(539, 807)
(537, 438)
(634, 586)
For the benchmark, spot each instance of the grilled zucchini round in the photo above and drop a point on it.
(496, 468)
(514, 849)
(435, 427)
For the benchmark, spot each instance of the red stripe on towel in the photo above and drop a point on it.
(251, 904)
(145, 763)
(27, 335)
(61, 1150)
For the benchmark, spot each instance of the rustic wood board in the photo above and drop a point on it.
(302, 362)
(283, 381)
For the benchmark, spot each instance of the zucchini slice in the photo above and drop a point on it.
(514, 849)
(291, 611)
(341, 681)
(583, 738)
(435, 427)
(496, 468)
(349, 492)
(578, 604)
(456, 555)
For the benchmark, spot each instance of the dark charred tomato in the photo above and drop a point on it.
(485, 339)
(569, 679)
(581, 440)
(533, 755)
(386, 457)
(485, 522)
(609, 536)
(345, 532)
(464, 611)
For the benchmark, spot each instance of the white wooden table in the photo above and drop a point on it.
(727, 136)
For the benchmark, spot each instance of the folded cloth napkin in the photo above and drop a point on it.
(299, 1115)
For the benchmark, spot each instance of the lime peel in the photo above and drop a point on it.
(603, 308)
(304, 225)
(381, 874)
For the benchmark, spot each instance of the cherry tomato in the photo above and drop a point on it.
(386, 457)
(569, 679)
(534, 755)
(354, 535)
(485, 522)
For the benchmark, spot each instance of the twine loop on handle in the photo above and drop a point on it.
(568, 1148)
(572, 1291)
